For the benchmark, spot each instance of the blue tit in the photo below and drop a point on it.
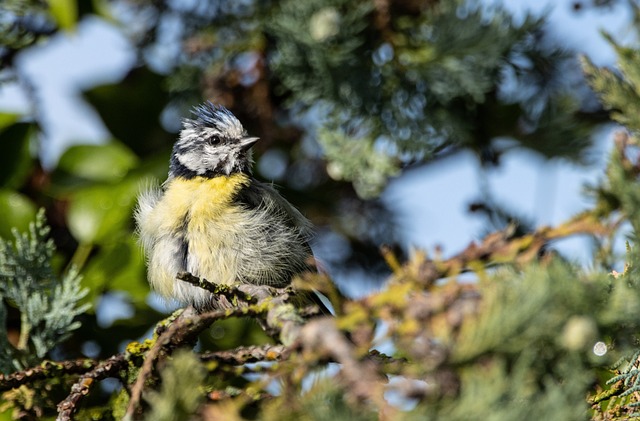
(211, 218)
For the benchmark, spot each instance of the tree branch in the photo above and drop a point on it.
(496, 247)
(183, 330)
(46, 369)
(321, 339)
(233, 295)
(244, 355)
(107, 368)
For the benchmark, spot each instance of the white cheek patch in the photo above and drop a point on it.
(212, 159)
(193, 160)
(187, 135)
(222, 159)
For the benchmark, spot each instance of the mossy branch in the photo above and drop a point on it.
(47, 369)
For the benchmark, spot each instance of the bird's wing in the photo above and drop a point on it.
(262, 195)
(259, 194)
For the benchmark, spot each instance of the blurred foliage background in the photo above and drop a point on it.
(344, 95)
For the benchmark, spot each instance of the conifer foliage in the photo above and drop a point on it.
(48, 303)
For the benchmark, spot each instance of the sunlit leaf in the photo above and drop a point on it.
(108, 162)
(102, 9)
(16, 210)
(7, 119)
(97, 213)
(65, 13)
(118, 266)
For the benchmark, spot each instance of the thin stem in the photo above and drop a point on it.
(80, 256)
(25, 329)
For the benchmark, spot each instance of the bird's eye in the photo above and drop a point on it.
(213, 140)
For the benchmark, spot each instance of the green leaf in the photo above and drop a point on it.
(65, 13)
(118, 266)
(7, 119)
(15, 160)
(102, 8)
(131, 110)
(98, 213)
(109, 162)
(16, 210)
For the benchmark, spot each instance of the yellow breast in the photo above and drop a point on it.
(200, 199)
(201, 212)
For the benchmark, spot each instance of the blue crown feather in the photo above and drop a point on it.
(214, 116)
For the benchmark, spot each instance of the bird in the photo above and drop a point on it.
(213, 219)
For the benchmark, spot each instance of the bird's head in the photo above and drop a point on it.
(212, 143)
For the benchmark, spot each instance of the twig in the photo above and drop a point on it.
(278, 316)
(321, 339)
(107, 368)
(44, 370)
(183, 330)
(220, 395)
(233, 295)
(164, 342)
(283, 317)
(222, 371)
(496, 247)
(243, 355)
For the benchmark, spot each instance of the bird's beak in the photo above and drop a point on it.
(247, 142)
